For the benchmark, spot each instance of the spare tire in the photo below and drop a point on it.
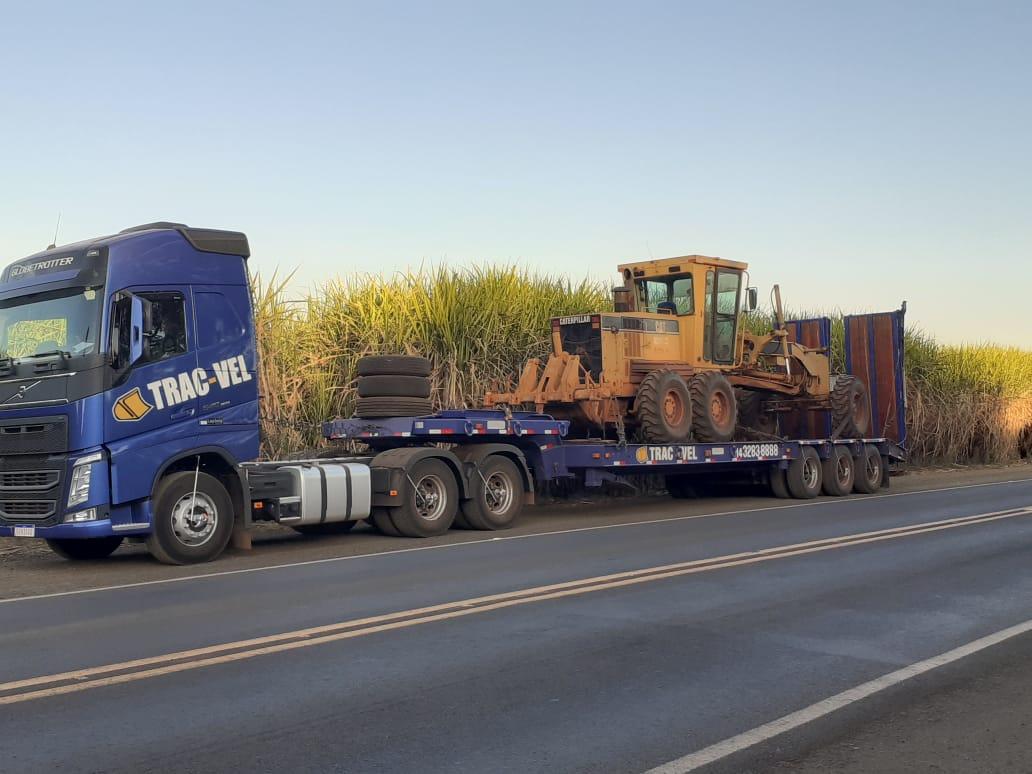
(393, 365)
(375, 408)
(850, 407)
(393, 387)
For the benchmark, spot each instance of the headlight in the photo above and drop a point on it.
(79, 491)
(90, 514)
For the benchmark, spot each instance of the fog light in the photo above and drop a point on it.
(90, 514)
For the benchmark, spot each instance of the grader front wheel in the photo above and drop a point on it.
(850, 407)
(714, 408)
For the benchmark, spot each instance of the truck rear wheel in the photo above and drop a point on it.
(381, 519)
(90, 548)
(664, 406)
(714, 408)
(838, 472)
(431, 500)
(189, 527)
(869, 470)
(497, 495)
(804, 475)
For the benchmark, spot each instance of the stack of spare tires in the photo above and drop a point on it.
(393, 386)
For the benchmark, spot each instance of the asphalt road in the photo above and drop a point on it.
(604, 646)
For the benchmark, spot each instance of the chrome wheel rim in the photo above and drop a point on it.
(194, 519)
(431, 497)
(498, 492)
(873, 468)
(843, 470)
(810, 473)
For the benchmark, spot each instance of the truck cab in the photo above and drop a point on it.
(127, 362)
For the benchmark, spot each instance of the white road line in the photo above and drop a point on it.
(794, 720)
(333, 559)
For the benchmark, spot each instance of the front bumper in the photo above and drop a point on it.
(78, 531)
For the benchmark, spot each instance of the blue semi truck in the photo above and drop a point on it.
(129, 409)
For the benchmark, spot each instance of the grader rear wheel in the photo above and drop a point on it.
(664, 407)
(714, 408)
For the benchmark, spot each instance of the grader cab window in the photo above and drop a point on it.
(667, 296)
(720, 327)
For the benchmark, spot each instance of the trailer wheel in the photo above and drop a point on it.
(329, 528)
(381, 518)
(804, 475)
(869, 469)
(89, 548)
(779, 483)
(714, 408)
(838, 472)
(431, 500)
(497, 495)
(189, 527)
(850, 407)
(664, 406)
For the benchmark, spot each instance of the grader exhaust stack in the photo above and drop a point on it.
(674, 362)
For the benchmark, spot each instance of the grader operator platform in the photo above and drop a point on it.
(673, 359)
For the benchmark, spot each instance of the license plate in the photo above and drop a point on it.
(25, 532)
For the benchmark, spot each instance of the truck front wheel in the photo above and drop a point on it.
(189, 526)
(90, 548)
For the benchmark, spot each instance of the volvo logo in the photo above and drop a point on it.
(20, 395)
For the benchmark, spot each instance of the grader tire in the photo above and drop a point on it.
(714, 408)
(750, 412)
(850, 407)
(664, 406)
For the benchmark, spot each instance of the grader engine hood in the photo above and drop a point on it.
(581, 335)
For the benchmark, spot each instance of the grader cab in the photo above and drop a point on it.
(674, 360)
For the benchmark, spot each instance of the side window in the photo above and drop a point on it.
(684, 295)
(217, 319)
(165, 329)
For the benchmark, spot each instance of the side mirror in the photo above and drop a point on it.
(138, 325)
(752, 300)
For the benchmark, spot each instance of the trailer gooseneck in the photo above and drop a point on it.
(129, 410)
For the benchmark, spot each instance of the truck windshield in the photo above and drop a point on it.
(65, 321)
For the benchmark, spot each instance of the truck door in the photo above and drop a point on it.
(226, 352)
(154, 400)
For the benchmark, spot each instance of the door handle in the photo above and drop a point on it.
(184, 414)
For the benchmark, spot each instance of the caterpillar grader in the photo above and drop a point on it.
(674, 362)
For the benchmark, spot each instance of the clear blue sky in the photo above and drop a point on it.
(859, 153)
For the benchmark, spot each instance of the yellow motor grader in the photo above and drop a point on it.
(674, 360)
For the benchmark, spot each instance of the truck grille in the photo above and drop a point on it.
(29, 480)
(27, 509)
(45, 435)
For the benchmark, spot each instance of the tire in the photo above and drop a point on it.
(393, 386)
(431, 500)
(329, 528)
(779, 483)
(393, 365)
(750, 412)
(714, 408)
(497, 495)
(680, 487)
(381, 518)
(838, 472)
(175, 540)
(850, 407)
(804, 475)
(870, 468)
(664, 407)
(375, 408)
(86, 549)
